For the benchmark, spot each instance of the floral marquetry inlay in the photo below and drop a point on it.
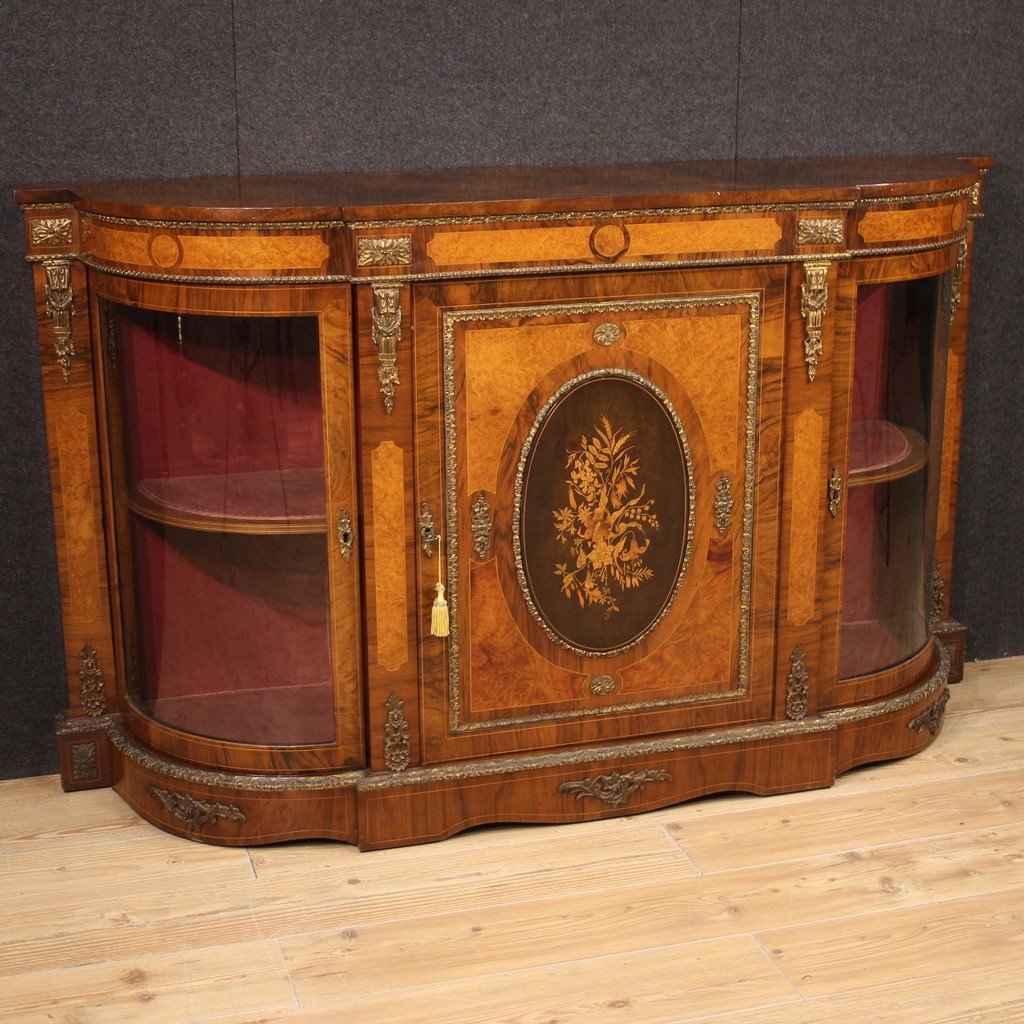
(607, 521)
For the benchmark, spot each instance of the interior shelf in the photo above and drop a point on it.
(882, 451)
(263, 502)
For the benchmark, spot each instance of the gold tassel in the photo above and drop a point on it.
(439, 625)
(439, 614)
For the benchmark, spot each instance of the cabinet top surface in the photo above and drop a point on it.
(509, 190)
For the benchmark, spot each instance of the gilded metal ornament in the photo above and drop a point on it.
(60, 308)
(384, 252)
(932, 718)
(386, 330)
(615, 788)
(110, 331)
(606, 522)
(724, 505)
(480, 525)
(396, 736)
(428, 535)
(601, 686)
(50, 230)
(92, 695)
(813, 304)
(938, 602)
(607, 334)
(820, 231)
(958, 279)
(85, 762)
(346, 535)
(196, 814)
(835, 492)
(797, 692)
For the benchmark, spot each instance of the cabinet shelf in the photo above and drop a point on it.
(881, 451)
(263, 502)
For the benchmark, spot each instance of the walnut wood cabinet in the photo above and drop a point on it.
(673, 448)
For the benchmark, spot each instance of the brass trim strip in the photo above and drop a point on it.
(154, 762)
(489, 272)
(828, 721)
(230, 225)
(449, 319)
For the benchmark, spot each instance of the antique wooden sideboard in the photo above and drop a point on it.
(388, 505)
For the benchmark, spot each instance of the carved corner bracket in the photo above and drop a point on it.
(396, 736)
(813, 305)
(386, 331)
(797, 692)
(615, 788)
(60, 300)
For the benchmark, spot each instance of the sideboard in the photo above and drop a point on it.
(389, 505)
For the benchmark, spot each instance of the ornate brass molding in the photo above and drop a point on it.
(932, 718)
(813, 305)
(827, 721)
(724, 505)
(384, 252)
(615, 788)
(938, 602)
(428, 535)
(195, 813)
(386, 331)
(601, 686)
(797, 693)
(481, 526)
(820, 231)
(85, 762)
(396, 736)
(835, 492)
(346, 535)
(160, 765)
(92, 695)
(50, 230)
(60, 308)
(607, 334)
(958, 279)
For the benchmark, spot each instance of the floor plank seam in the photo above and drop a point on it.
(778, 967)
(679, 847)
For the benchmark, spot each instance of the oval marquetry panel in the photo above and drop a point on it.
(601, 522)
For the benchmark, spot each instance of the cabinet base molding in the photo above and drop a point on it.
(379, 810)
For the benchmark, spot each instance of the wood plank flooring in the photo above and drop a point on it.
(895, 897)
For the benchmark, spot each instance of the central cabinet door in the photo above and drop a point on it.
(595, 453)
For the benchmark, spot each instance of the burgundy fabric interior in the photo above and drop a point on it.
(233, 628)
(235, 395)
(235, 613)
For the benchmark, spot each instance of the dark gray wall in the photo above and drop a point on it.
(150, 88)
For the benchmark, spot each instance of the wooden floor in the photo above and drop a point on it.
(896, 897)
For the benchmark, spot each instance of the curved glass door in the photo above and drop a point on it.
(892, 478)
(223, 508)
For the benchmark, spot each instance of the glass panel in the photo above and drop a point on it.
(223, 454)
(897, 381)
